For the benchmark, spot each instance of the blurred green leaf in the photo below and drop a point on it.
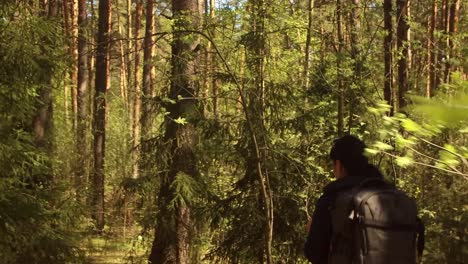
(180, 120)
(404, 161)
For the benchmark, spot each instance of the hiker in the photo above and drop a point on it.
(360, 218)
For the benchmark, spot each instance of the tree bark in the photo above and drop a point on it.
(137, 93)
(172, 233)
(310, 9)
(446, 40)
(355, 27)
(130, 73)
(339, 26)
(68, 9)
(388, 87)
(147, 82)
(255, 114)
(42, 119)
(431, 56)
(441, 27)
(82, 97)
(452, 31)
(123, 82)
(402, 46)
(74, 72)
(91, 56)
(212, 63)
(70, 12)
(101, 84)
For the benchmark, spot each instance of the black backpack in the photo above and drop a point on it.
(374, 223)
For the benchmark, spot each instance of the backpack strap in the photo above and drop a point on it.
(387, 225)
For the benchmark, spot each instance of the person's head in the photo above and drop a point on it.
(347, 154)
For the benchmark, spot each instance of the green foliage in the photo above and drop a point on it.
(433, 145)
(432, 117)
(185, 189)
(37, 215)
(449, 107)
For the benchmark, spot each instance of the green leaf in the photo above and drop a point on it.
(382, 146)
(402, 142)
(410, 125)
(181, 121)
(447, 157)
(404, 161)
(168, 100)
(371, 151)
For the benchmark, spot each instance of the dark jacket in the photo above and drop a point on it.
(317, 246)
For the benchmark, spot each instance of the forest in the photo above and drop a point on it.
(199, 131)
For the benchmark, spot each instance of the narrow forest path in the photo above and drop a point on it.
(113, 250)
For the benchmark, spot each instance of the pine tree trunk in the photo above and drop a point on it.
(388, 87)
(172, 240)
(123, 82)
(254, 108)
(402, 45)
(130, 73)
(214, 64)
(453, 28)
(101, 84)
(147, 82)
(409, 41)
(441, 27)
(310, 9)
(42, 120)
(354, 28)
(82, 95)
(446, 25)
(91, 56)
(74, 73)
(67, 9)
(137, 86)
(431, 56)
(70, 12)
(339, 26)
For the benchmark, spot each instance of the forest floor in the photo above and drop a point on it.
(113, 250)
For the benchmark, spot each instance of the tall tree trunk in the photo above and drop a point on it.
(70, 13)
(102, 52)
(82, 95)
(388, 87)
(123, 82)
(446, 52)
(75, 52)
(69, 8)
(130, 73)
(310, 9)
(431, 55)
(409, 40)
(255, 115)
(91, 55)
(214, 63)
(441, 27)
(137, 93)
(147, 82)
(339, 26)
(452, 31)
(42, 119)
(354, 22)
(172, 240)
(402, 46)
